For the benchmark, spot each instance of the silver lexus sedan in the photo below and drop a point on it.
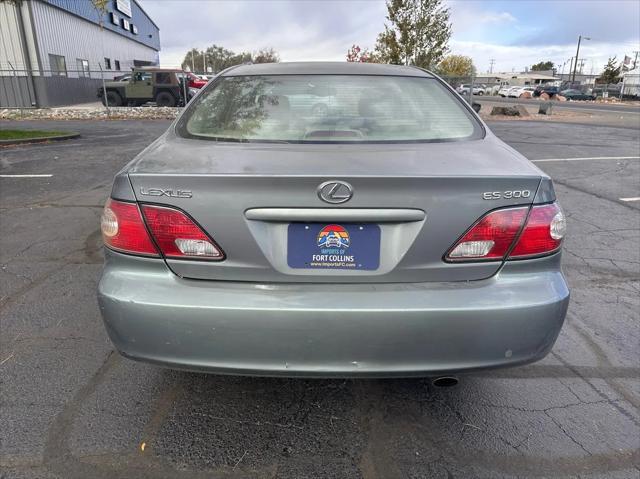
(389, 235)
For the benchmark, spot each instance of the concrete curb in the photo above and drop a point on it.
(44, 139)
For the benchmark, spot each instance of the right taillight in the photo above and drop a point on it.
(543, 233)
(491, 237)
(536, 232)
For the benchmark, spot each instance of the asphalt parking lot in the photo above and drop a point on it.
(72, 408)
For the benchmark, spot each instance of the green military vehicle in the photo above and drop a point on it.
(163, 86)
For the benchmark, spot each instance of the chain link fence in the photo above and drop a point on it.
(21, 88)
(469, 86)
(25, 89)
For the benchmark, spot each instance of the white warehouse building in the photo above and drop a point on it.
(55, 52)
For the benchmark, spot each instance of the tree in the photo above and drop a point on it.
(357, 54)
(542, 66)
(219, 58)
(611, 73)
(456, 66)
(418, 33)
(266, 55)
(100, 7)
(189, 59)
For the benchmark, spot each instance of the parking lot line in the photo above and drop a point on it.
(618, 111)
(26, 176)
(634, 198)
(589, 158)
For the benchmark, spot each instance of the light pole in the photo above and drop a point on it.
(563, 65)
(575, 65)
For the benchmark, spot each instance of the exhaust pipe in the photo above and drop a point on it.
(445, 381)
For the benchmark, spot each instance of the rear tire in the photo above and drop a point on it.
(112, 99)
(164, 98)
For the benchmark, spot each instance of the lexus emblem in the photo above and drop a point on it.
(335, 192)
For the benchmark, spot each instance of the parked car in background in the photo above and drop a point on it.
(195, 81)
(504, 90)
(517, 91)
(164, 86)
(251, 240)
(573, 94)
(477, 89)
(548, 89)
(494, 89)
(316, 105)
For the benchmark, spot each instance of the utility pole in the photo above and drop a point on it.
(204, 62)
(635, 60)
(193, 68)
(493, 61)
(575, 65)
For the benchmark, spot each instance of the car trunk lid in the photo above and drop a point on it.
(260, 203)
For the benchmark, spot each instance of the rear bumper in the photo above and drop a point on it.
(411, 329)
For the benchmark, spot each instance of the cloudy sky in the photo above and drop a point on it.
(515, 33)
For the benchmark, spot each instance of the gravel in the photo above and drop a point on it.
(101, 113)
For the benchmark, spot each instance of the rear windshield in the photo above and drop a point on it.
(328, 108)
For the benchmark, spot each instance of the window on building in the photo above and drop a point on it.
(163, 78)
(83, 68)
(117, 64)
(107, 63)
(58, 65)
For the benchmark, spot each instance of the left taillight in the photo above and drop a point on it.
(123, 229)
(178, 236)
(155, 231)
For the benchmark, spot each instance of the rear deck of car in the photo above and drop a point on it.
(259, 312)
